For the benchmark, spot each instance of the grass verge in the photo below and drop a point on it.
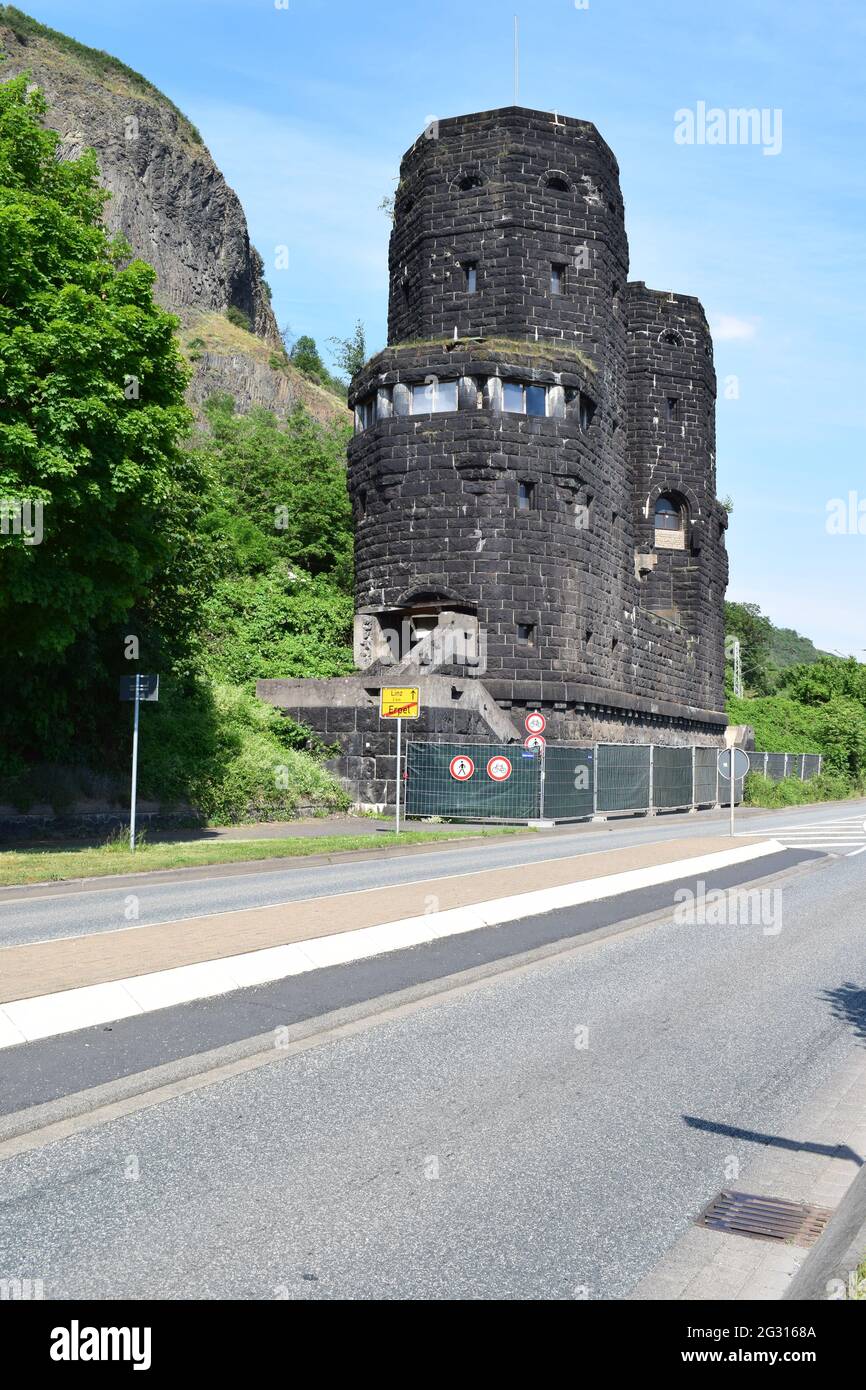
(58, 866)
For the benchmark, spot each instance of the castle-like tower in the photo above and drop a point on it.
(533, 468)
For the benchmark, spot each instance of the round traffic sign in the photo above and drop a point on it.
(461, 768)
(741, 763)
(535, 741)
(535, 723)
(499, 769)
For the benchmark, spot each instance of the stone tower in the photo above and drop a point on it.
(532, 472)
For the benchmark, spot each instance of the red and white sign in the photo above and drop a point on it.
(499, 769)
(535, 723)
(461, 768)
(535, 741)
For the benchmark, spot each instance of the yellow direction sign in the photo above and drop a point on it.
(400, 702)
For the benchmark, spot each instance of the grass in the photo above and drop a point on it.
(546, 350)
(215, 333)
(114, 857)
(103, 64)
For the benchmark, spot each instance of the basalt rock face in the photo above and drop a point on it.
(168, 198)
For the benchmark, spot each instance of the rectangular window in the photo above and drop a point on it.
(445, 396)
(524, 496)
(434, 397)
(587, 410)
(673, 406)
(526, 633)
(512, 397)
(557, 278)
(365, 414)
(470, 270)
(524, 400)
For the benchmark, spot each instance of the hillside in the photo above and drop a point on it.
(170, 201)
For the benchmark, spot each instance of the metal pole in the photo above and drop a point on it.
(650, 808)
(134, 769)
(595, 779)
(399, 743)
(733, 786)
(541, 807)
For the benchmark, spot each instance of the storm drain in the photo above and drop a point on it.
(764, 1218)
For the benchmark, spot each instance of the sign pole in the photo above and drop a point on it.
(733, 785)
(134, 767)
(399, 741)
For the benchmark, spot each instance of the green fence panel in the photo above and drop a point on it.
(459, 781)
(672, 776)
(811, 765)
(568, 778)
(706, 767)
(623, 776)
(776, 766)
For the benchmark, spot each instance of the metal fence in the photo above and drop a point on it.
(777, 766)
(505, 782)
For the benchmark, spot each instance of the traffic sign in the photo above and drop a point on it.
(399, 702)
(499, 769)
(535, 741)
(148, 687)
(741, 763)
(535, 723)
(461, 768)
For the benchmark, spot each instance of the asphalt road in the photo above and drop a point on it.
(469, 1148)
(30, 918)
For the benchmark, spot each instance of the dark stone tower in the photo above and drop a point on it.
(533, 471)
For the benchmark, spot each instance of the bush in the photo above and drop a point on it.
(791, 791)
(230, 756)
(239, 318)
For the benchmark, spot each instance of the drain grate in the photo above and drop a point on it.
(764, 1218)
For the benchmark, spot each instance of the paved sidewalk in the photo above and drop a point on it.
(72, 962)
(816, 1163)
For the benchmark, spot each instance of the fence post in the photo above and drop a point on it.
(803, 768)
(595, 779)
(766, 757)
(541, 780)
(651, 775)
(694, 802)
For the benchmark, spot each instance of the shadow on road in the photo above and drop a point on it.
(848, 1003)
(774, 1141)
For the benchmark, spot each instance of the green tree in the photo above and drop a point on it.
(351, 353)
(305, 356)
(91, 418)
(746, 621)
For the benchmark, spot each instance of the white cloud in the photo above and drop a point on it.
(727, 328)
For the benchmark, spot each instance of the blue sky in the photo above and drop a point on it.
(308, 108)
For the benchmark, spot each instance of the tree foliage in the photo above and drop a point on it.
(92, 415)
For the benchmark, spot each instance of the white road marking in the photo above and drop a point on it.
(44, 1016)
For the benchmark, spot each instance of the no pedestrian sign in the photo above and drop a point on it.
(400, 702)
(461, 768)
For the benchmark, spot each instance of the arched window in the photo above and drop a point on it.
(670, 338)
(670, 523)
(669, 515)
(558, 184)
